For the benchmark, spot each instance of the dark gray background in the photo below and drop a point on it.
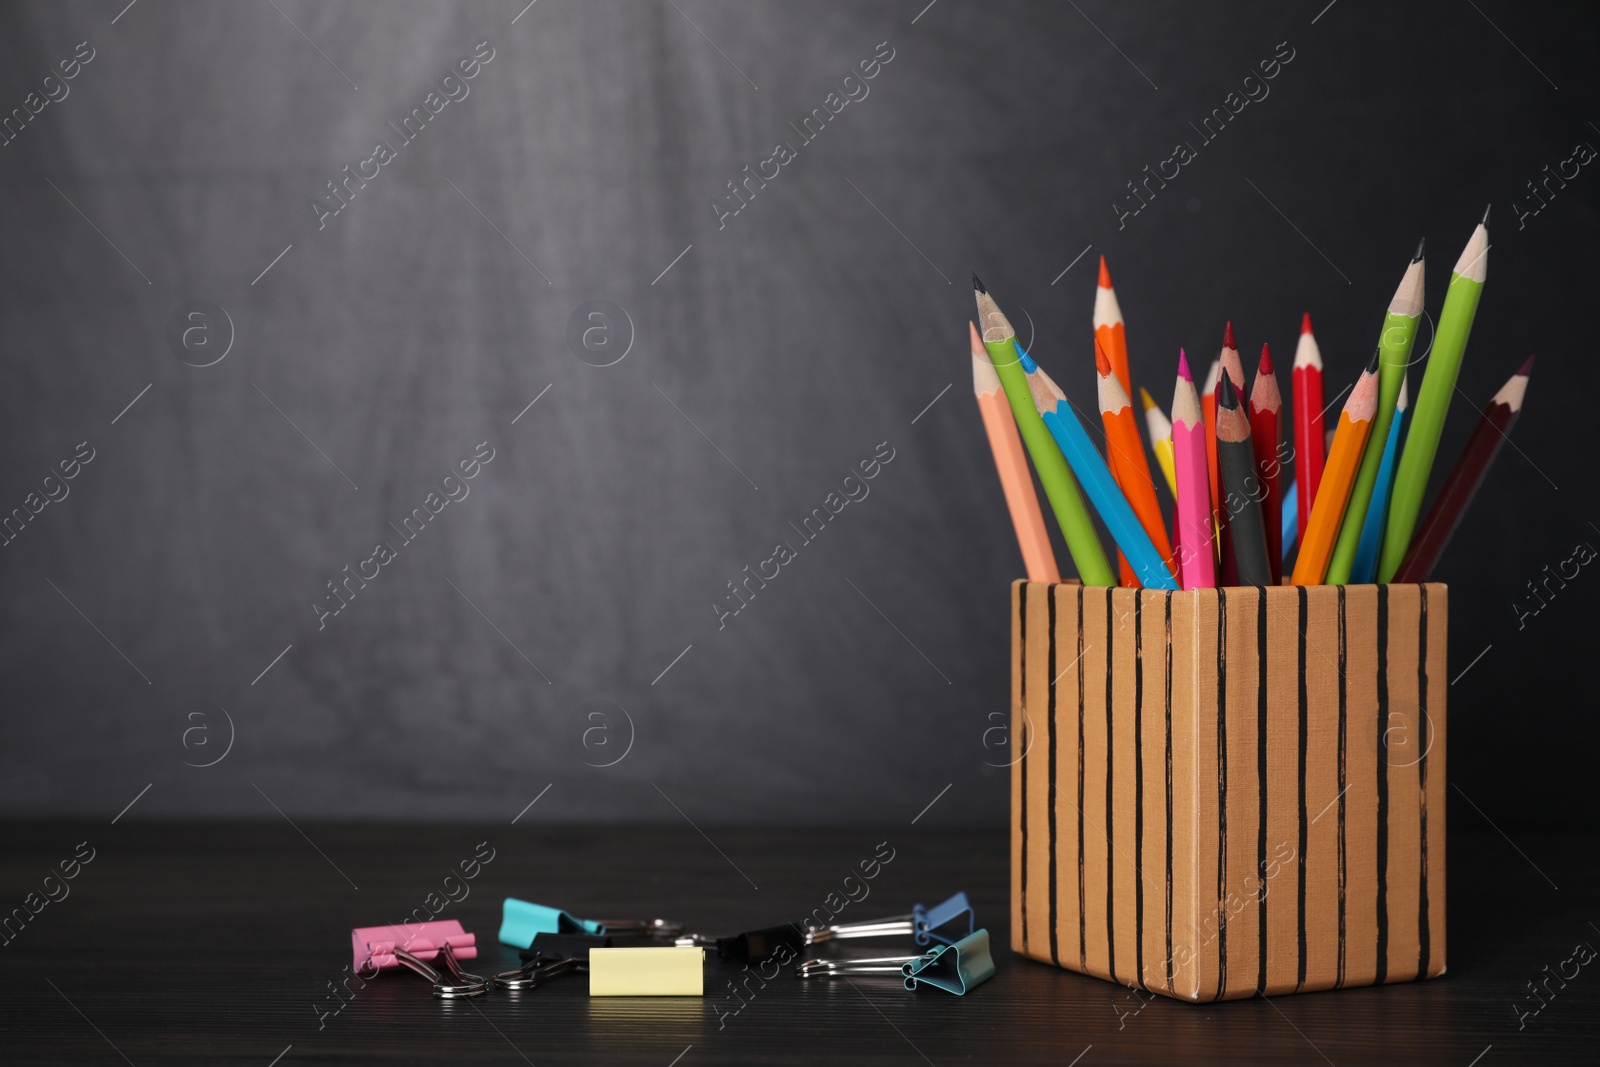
(859, 683)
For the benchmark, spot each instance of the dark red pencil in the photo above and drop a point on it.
(1266, 411)
(1434, 533)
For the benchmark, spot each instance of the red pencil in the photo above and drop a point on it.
(1434, 532)
(1309, 439)
(1266, 408)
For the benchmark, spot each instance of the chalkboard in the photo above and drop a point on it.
(438, 381)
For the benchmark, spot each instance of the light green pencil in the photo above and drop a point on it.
(1433, 399)
(1394, 351)
(1059, 487)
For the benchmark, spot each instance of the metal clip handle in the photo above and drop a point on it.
(537, 971)
(458, 983)
(837, 968)
(898, 925)
(646, 927)
(695, 941)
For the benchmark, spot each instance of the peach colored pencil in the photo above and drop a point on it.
(1006, 444)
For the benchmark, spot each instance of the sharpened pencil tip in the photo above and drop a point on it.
(1484, 222)
(1372, 364)
(1028, 365)
(1265, 366)
(1227, 336)
(977, 284)
(1149, 401)
(1305, 322)
(1101, 363)
(1227, 396)
(1420, 244)
(1183, 367)
(1527, 368)
(1105, 275)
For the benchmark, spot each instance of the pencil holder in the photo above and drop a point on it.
(1220, 793)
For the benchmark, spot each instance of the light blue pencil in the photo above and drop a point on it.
(1291, 519)
(1096, 479)
(1365, 568)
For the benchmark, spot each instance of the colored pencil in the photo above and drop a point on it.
(1012, 466)
(1291, 520)
(1355, 423)
(1231, 368)
(1195, 525)
(1266, 410)
(1125, 453)
(1492, 431)
(1306, 383)
(1087, 463)
(1242, 489)
(1208, 411)
(1394, 352)
(1109, 331)
(1072, 515)
(1433, 399)
(1160, 429)
(1365, 569)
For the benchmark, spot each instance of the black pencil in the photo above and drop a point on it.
(1245, 535)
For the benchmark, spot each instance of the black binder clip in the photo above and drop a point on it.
(550, 956)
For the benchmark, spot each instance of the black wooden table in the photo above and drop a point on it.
(212, 943)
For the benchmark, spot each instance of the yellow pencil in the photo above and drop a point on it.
(1160, 428)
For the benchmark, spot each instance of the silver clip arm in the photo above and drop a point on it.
(838, 968)
(458, 983)
(896, 926)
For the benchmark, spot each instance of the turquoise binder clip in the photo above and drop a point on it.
(521, 920)
(928, 924)
(955, 968)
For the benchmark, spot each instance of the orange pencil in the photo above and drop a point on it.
(1009, 460)
(1109, 331)
(1338, 475)
(1129, 467)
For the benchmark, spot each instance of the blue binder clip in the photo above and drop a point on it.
(521, 921)
(956, 968)
(929, 923)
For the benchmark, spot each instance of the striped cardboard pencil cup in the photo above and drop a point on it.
(1223, 792)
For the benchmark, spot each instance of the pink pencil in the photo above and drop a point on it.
(1198, 553)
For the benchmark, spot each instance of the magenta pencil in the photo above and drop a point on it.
(1198, 554)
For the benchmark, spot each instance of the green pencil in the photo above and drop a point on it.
(1059, 488)
(1433, 399)
(1394, 351)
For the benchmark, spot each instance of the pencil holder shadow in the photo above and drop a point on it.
(1220, 793)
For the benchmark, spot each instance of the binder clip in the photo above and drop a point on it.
(379, 948)
(939, 923)
(956, 968)
(522, 921)
(550, 956)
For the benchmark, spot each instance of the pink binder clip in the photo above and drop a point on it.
(378, 948)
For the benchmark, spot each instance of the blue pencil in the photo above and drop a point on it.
(1365, 567)
(1096, 479)
(1291, 519)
